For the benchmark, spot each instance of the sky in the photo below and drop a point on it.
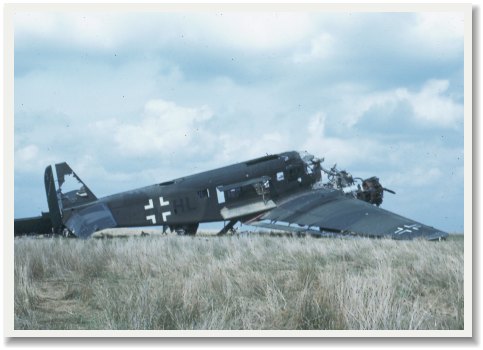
(129, 99)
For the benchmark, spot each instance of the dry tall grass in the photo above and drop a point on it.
(238, 282)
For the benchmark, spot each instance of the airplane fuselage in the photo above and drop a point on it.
(201, 197)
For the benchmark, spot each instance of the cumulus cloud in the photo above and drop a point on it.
(233, 147)
(253, 31)
(164, 128)
(321, 47)
(30, 159)
(77, 30)
(344, 150)
(416, 177)
(431, 106)
(27, 153)
(258, 31)
(438, 34)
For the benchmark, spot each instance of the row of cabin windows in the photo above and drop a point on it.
(291, 174)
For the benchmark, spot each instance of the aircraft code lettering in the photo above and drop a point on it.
(182, 205)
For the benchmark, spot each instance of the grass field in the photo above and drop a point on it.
(238, 282)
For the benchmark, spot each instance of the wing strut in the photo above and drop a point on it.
(227, 228)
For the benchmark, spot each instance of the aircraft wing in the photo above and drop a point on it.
(331, 212)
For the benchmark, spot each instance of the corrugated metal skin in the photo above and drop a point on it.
(333, 210)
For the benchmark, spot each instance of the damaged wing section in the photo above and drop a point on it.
(330, 211)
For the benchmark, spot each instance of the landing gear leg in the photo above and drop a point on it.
(227, 228)
(66, 233)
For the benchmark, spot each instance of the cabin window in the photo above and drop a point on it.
(280, 176)
(234, 193)
(204, 193)
(220, 196)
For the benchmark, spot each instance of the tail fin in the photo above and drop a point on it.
(71, 191)
(65, 190)
(55, 211)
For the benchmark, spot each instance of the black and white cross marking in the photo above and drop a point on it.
(407, 229)
(150, 206)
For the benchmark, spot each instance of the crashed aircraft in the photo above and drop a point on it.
(289, 191)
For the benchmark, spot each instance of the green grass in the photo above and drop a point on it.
(238, 282)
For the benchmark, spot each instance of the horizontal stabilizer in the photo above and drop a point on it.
(34, 225)
(83, 223)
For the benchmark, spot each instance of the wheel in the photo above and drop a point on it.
(188, 229)
(67, 233)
